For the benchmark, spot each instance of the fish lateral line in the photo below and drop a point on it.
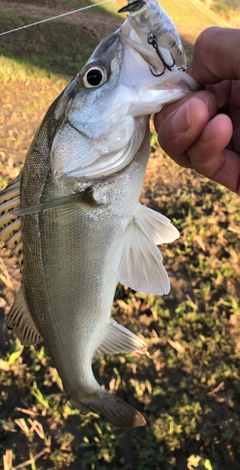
(85, 196)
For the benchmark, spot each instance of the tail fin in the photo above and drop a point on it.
(113, 409)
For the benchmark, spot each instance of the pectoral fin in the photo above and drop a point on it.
(141, 265)
(84, 197)
(20, 321)
(119, 340)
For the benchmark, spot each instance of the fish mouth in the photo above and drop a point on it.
(152, 43)
(102, 141)
(152, 88)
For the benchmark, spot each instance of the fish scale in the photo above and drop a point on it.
(79, 226)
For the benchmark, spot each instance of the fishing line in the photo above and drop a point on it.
(57, 16)
(109, 6)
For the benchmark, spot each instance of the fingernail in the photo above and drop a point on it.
(181, 119)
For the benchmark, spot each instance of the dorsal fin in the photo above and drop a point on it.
(11, 191)
(10, 224)
(20, 321)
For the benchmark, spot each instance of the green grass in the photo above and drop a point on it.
(45, 48)
(189, 387)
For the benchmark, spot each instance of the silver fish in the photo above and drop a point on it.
(72, 216)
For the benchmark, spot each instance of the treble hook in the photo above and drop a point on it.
(152, 40)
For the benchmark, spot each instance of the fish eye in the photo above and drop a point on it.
(94, 76)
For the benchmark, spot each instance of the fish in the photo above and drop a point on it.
(73, 218)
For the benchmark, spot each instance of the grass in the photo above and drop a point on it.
(43, 49)
(189, 386)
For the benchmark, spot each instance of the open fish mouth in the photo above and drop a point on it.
(136, 83)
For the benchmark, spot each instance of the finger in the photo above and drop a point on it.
(179, 125)
(216, 55)
(228, 173)
(209, 156)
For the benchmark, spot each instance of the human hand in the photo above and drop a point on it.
(202, 131)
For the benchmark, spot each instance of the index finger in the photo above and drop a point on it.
(216, 55)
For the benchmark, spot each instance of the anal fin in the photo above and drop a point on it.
(20, 321)
(119, 340)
